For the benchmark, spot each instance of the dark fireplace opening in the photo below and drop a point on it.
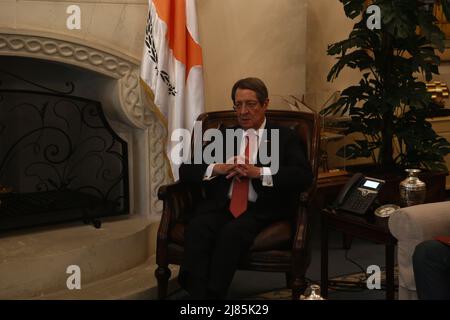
(60, 160)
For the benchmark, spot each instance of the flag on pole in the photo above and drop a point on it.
(172, 65)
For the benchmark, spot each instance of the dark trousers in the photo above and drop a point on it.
(431, 263)
(214, 243)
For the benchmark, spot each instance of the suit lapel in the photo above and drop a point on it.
(265, 144)
(226, 142)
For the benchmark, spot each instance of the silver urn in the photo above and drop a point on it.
(412, 189)
(312, 293)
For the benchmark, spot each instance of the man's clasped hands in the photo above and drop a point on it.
(238, 167)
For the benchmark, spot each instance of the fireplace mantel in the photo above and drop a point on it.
(110, 43)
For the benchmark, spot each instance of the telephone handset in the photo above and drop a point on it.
(358, 194)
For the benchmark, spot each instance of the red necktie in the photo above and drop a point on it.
(239, 196)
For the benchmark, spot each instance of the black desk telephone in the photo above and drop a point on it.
(358, 194)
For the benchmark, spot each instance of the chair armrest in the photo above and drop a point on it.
(167, 190)
(307, 196)
(421, 222)
(178, 203)
(302, 232)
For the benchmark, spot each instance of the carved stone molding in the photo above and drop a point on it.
(132, 101)
(88, 58)
(159, 167)
(64, 51)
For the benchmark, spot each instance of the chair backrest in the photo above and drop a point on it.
(305, 123)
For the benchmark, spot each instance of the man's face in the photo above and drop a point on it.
(250, 113)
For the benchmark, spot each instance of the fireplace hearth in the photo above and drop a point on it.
(60, 160)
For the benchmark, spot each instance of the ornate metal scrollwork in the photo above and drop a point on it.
(60, 148)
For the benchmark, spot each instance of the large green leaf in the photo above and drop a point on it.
(357, 59)
(398, 18)
(353, 8)
(362, 148)
(430, 30)
(446, 8)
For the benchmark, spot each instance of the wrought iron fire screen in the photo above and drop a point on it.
(60, 160)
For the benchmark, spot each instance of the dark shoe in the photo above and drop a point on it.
(182, 279)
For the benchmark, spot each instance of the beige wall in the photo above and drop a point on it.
(284, 42)
(327, 24)
(262, 38)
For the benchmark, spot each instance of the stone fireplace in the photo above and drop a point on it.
(60, 160)
(116, 86)
(102, 61)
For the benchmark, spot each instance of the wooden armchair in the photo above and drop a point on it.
(283, 246)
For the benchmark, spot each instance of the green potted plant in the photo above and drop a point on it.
(390, 104)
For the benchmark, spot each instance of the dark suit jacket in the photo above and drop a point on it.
(274, 202)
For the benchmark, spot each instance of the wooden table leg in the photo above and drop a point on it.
(390, 285)
(324, 259)
(346, 241)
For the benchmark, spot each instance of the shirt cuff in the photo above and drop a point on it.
(266, 177)
(208, 172)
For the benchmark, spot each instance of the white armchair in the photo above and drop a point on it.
(412, 225)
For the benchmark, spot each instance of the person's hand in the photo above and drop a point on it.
(248, 170)
(239, 167)
(235, 171)
(223, 168)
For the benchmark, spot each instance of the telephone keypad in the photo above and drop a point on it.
(358, 201)
(358, 194)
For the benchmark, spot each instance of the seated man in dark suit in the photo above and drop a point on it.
(431, 263)
(242, 197)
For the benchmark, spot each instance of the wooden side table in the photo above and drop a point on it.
(328, 187)
(369, 227)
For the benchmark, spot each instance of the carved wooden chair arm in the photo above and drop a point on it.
(168, 190)
(304, 213)
(178, 203)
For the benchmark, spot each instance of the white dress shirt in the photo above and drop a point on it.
(266, 174)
